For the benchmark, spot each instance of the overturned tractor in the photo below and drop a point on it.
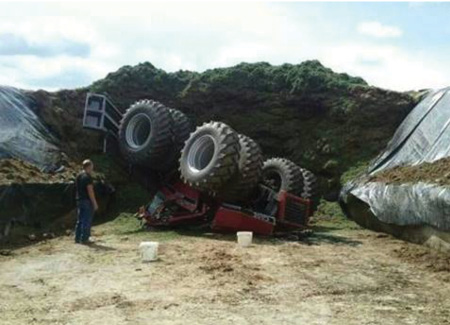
(220, 178)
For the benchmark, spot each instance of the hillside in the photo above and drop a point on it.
(324, 121)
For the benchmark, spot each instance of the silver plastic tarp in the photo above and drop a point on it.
(424, 136)
(407, 204)
(22, 134)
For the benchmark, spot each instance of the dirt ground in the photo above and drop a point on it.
(341, 274)
(437, 172)
(16, 171)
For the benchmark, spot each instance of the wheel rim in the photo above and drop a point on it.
(201, 153)
(272, 179)
(138, 131)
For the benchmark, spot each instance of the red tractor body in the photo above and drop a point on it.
(179, 204)
(232, 218)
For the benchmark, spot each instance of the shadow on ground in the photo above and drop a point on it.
(317, 235)
(99, 247)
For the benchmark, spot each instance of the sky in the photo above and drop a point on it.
(54, 45)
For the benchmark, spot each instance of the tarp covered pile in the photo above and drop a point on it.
(424, 136)
(22, 134)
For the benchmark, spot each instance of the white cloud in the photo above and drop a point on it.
(199, 36)
(235, 53)
(48, 28)
(376, 29)
(388, 66)
(45, 49)
(32, 72)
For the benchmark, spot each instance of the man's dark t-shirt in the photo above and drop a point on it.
(82, 182)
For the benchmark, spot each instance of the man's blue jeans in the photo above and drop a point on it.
(85, 214)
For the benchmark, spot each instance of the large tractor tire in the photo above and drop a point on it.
(310, 188)
(210, 157)
(245, 182)
(282, 174)
(145, 134)
(181, 129)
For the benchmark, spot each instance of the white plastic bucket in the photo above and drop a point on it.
(149, 251)
(244, 238)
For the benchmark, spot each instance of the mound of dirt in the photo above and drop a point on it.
(437, 172)
(62, 112)
(18, 171)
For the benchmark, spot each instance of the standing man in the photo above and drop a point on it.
(86, 203)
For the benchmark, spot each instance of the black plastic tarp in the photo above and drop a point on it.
(22, 134)
(424, 136)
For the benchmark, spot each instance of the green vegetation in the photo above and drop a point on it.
(128, 83)
(329, 216)
(355, 171)
(329, 210)
(308, 77)
(129, 194)
(108, 168)
(126, 224)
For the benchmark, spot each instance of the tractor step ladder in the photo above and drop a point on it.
(101, 115)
